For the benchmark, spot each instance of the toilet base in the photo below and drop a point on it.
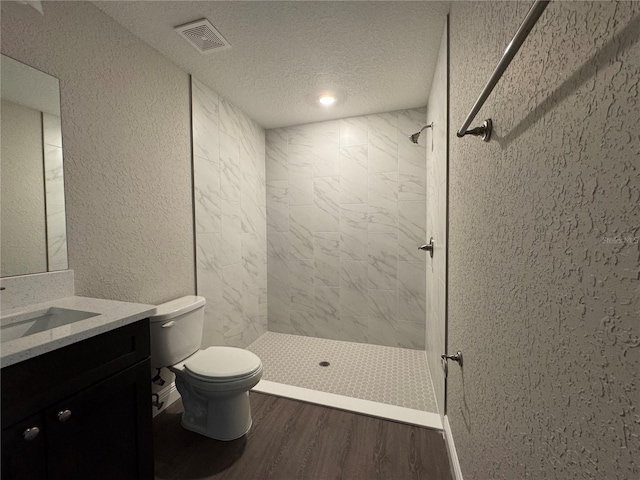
(202, 431)
(219, 415)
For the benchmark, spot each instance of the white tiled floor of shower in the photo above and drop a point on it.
(394, 376)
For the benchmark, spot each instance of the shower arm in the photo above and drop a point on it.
(426, 126)
(414, 137)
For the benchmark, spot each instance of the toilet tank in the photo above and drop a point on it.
(176, 330)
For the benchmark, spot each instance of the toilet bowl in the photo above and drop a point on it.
(215, 392)
(214, 382)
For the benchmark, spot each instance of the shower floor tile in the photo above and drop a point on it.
(395, 376)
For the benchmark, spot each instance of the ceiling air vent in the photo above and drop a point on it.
(203, 36)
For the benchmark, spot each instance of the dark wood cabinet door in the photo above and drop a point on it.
(103, 432)
(23, 450)
(34, 384)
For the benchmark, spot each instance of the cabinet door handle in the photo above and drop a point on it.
(30, 433)
(64, 415)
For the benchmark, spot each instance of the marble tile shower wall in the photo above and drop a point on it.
(437, 166)
(346, 204)
(230, 211)
(54, 186)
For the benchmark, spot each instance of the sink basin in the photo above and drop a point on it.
(25, 324)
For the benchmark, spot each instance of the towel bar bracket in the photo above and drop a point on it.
(518, 39)
(483, 131)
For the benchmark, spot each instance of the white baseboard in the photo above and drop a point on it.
(453, 454)
(357, 405)
(168, 395)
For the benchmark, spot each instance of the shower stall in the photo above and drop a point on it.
(346, 213)
(307, 246)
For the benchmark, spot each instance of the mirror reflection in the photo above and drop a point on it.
(33, 234)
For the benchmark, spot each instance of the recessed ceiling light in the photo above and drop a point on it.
(327, 100)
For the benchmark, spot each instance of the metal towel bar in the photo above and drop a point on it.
(518, 39)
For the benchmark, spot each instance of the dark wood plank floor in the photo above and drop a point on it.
(295, 440)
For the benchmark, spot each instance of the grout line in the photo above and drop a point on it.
(356, 405)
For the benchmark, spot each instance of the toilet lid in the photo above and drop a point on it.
(222, 362)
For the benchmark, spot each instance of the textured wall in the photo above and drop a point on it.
(230, 207)
(544, 257)
(435, 140)
(125, 123)
(24, 241)
(346, 212)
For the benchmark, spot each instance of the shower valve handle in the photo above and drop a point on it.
(428, 247)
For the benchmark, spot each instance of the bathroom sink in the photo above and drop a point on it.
(25, 324)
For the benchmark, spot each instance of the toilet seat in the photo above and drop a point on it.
(222, 364)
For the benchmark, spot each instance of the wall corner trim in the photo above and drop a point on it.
(451, 447)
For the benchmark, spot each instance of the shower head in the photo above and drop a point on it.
(414, 137)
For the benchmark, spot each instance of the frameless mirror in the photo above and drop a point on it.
(33, 231)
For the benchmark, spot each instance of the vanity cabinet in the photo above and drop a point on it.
(24, 458)
(80, 412)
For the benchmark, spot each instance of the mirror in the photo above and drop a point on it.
(33, 231)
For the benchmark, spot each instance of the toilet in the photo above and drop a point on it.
(214, 382)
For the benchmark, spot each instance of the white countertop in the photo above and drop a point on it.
(111, 315)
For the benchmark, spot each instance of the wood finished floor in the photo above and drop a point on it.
(292, 440)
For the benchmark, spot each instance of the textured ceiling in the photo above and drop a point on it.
(375, 56)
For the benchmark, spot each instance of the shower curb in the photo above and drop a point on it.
(366, 407)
